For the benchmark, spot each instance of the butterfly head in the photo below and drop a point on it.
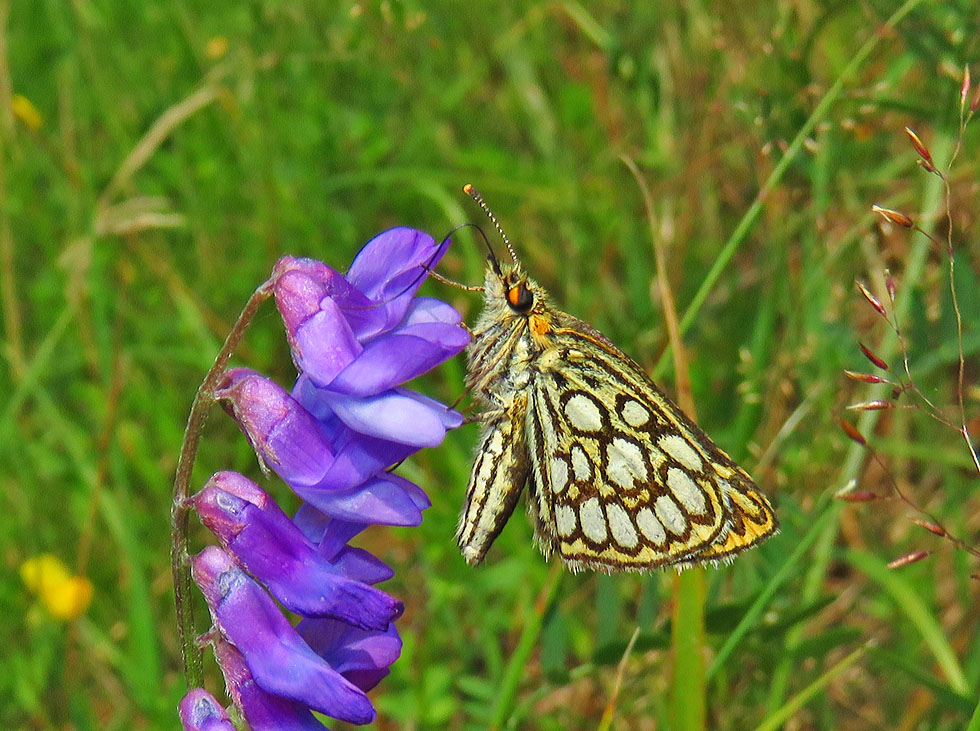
(511, 297)
(508, 282)
(509, 286)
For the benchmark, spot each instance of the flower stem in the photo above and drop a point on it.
(180, 511)
(688, 697)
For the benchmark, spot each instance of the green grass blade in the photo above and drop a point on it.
(529, 637)
(975, 719)
(783, 714)
(754, 613)
(687, 708)
(792, 150)
(910, 603)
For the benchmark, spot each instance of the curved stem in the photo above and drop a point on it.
(180, 511)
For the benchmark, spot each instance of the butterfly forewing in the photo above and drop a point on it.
(619, 478)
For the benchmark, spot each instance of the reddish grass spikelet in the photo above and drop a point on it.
(876, 405)
(975, 102)
(872, 357)
(908, 558)
(896, 217)
(857, 496)
(865, 377)
(852, 433)
(934, 528)
(891, 285)
(923, 151)
(964, 87)
(879, 308)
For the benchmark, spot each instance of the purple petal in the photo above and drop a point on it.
(331, 536)
(278, 658)
(360, 565)
(283, 433)
(302, 284)
(382, 500)
(360, 457)
(416, 494)
(398, 416)
(400, 356)
(357, 654)
(199, 711)
(389, 256)
(324, 345)
(270, 547)
(357, 457)
(262, 710)
(390, 268)
(328, 534)
(428, 309)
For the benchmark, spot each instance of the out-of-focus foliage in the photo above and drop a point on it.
(157, 158)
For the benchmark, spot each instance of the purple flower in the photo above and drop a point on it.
(247, 523)
(199, 711)
(279, 660)
(355, 339)
(265, 711)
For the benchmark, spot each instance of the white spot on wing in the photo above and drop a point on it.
(493, 447)
(670, 515)
(582, 413)
(565, 520)
(726, 492)
(686, 491)
(581, 467)
(624, 463)
(677, 447)
(648, 524)
(559, 474)
(621, 526)
(593, 521)
(634, 413)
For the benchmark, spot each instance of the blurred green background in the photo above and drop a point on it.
(157, 158)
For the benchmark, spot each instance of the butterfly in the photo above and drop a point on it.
(619, 478)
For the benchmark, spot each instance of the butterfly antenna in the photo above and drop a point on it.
(493, 258)
(475, 195)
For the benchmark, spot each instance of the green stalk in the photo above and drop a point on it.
(687, 702)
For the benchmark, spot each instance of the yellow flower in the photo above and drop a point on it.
(216, 48)
(26, 112)
(63, 595)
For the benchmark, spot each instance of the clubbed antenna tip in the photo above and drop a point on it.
(475, 195)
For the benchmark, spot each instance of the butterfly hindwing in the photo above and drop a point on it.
(620, 479)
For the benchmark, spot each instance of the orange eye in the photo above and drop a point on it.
(519, 298)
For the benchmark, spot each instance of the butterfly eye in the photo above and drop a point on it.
(519, 298)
